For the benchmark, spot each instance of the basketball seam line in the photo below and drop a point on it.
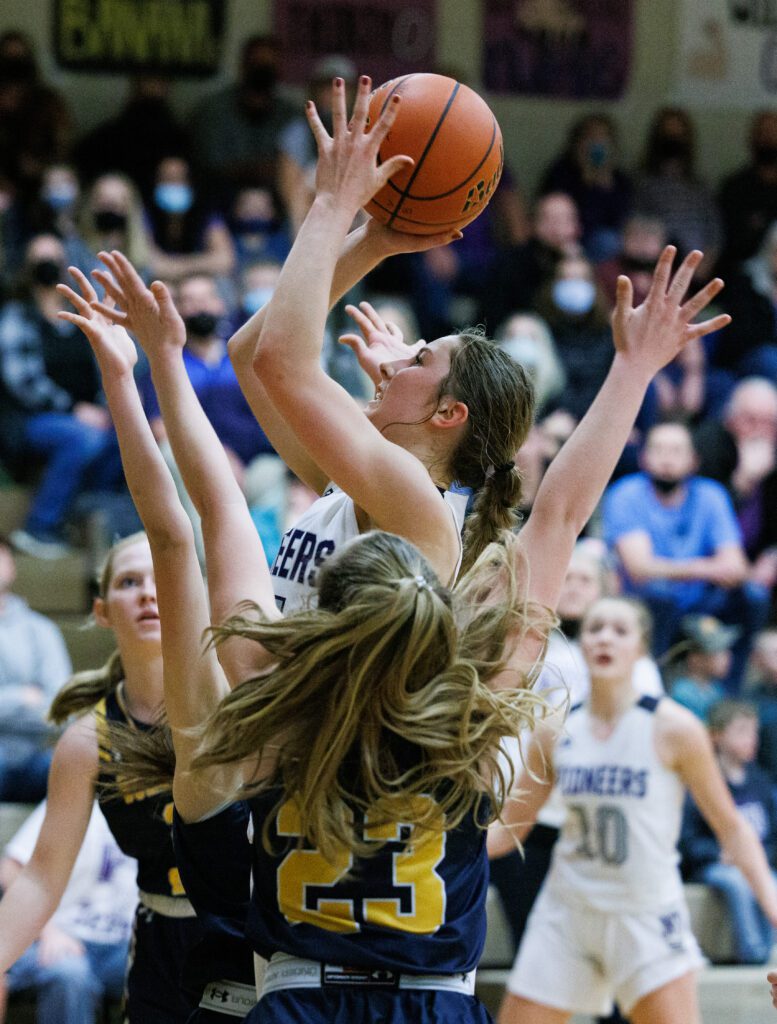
(444, 195)
(428, 146)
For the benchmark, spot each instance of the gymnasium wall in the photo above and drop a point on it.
(533, 129)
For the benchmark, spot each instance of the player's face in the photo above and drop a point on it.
(611, 639)
(410, 388)
(129, 607)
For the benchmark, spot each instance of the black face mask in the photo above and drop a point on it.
(108, 221)
(671, 148)
(260, 78)
(665, 485)
(766, 156)
(46, 273)
(201, 325)
(638, 266)
(17, 70)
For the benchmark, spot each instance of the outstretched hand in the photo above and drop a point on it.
(348, 171)
(380, 340)
(149, 312)
(658, 329)
(113, 348)
(390, 242)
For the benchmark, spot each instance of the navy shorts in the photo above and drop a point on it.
(159, 949)
(376, 1006)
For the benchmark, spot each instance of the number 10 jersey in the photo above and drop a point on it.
(618, 844)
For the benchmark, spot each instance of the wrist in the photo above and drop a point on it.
(326, 208)
(633, 369)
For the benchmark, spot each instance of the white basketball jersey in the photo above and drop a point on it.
(618, 845)
(319, 532)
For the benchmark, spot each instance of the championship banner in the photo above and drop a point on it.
(565, 49)
(728, 53)
(181, 37)
(384, 38)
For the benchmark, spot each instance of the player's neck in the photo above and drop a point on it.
(609, 703)
(142, 687)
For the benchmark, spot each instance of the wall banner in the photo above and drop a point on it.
(728, 53)
(384, 38)
(181, 37)
(567, 49)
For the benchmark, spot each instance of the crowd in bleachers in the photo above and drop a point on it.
(211, 205)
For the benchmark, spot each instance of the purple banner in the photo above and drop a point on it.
(570, 49)
(384, 38)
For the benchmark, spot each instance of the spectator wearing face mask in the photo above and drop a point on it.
(112, 217)
(35, 123)
(670, 190)
(236, 132)
(523, 269)
(679, 545)
(188, 236)
(51, 410)
(587, 171)
(749, 344)
(527, 339)
(257, 228)
(55, 212)
(576, 312)
(213, 379)
(134, 141)
(748, 198)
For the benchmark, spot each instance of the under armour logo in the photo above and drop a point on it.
(219, 993)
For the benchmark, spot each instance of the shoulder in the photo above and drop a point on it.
(706, 488)
(680, 735)
(76, 749)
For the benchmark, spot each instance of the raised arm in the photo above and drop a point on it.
(36, 891)
(646, 339)
(194, 682)
(236, 564)
(390, 484)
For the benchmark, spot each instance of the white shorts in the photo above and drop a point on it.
(583, 960)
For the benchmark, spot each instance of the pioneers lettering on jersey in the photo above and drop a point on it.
(603, 780)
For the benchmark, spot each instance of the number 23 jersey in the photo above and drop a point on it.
(618, 844)
(415, 907)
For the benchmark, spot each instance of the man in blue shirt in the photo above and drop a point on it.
(679, 545)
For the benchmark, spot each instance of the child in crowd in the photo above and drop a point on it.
(708, 645)
(733, 727)
(763, 693)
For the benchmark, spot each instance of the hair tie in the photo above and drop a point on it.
(420, 582)
(506, 467)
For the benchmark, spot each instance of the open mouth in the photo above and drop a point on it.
(148, 617)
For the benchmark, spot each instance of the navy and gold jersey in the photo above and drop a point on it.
(140, 821)
(416, 906)
(214, 858)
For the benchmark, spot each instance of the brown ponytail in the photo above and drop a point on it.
(500, 398)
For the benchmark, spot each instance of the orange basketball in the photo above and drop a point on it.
(456, 143)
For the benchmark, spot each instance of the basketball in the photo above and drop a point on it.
(456, 144)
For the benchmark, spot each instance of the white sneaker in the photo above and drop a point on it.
(37, 547)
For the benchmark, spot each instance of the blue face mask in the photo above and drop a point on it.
(254, 299)
(574, 295)
(598, 154)
(60, 197)
(173, 197)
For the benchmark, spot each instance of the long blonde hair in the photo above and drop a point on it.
(374, 699)
(86, 689)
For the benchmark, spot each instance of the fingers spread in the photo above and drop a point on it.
(662, 272)
(110, 312)
(361, 107)
(684, 275)
(75, 299)
(717, 323)
(110, 286)
(697, 302)
(83, 282)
